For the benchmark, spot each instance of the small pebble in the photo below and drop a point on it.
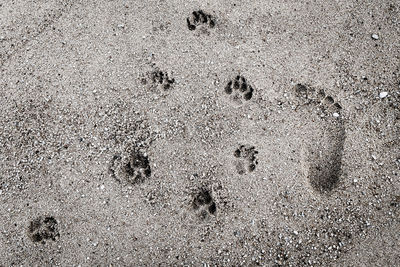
(336, 115)
(375, 36)
(383, 94)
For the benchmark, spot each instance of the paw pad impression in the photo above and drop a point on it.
(198, 18)
(246, 159)
(238, 89)
(42, 229)
(204, 203)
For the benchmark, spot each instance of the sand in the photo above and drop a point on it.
(199, 133)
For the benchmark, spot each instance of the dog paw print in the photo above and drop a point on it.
(198, 18)
(42, 229)
(159, 78)
(239, 90)
(133, 168)
(203, 204)
(245, 159)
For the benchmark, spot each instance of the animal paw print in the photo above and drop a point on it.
(204, 204)
(42, 229)
(317, 98)
(238, 90)
(134, 168)
(199, 17)
(246, 159)
(159, 79)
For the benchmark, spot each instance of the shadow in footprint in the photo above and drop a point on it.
(322, 152)
(322, 163)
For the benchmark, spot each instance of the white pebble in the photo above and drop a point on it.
(375, 36)
(102, 187)
(335, 114)
(383, 94)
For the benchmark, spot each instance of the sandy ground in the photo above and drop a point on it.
(199, 133)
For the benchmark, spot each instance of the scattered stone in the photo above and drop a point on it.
(375, 36)
(383, 94)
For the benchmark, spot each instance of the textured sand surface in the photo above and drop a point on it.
(196, 133)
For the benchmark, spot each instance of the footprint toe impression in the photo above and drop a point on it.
(322, 154)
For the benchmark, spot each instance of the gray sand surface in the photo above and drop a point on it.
(199, 133)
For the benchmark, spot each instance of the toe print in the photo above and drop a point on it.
(322, 154)
(245, 159)
(203, 204)
(239, 90)
(228, 88)
(324, 104)
(198, 18)
(42, 229)
(133, 168)
(328, 100)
